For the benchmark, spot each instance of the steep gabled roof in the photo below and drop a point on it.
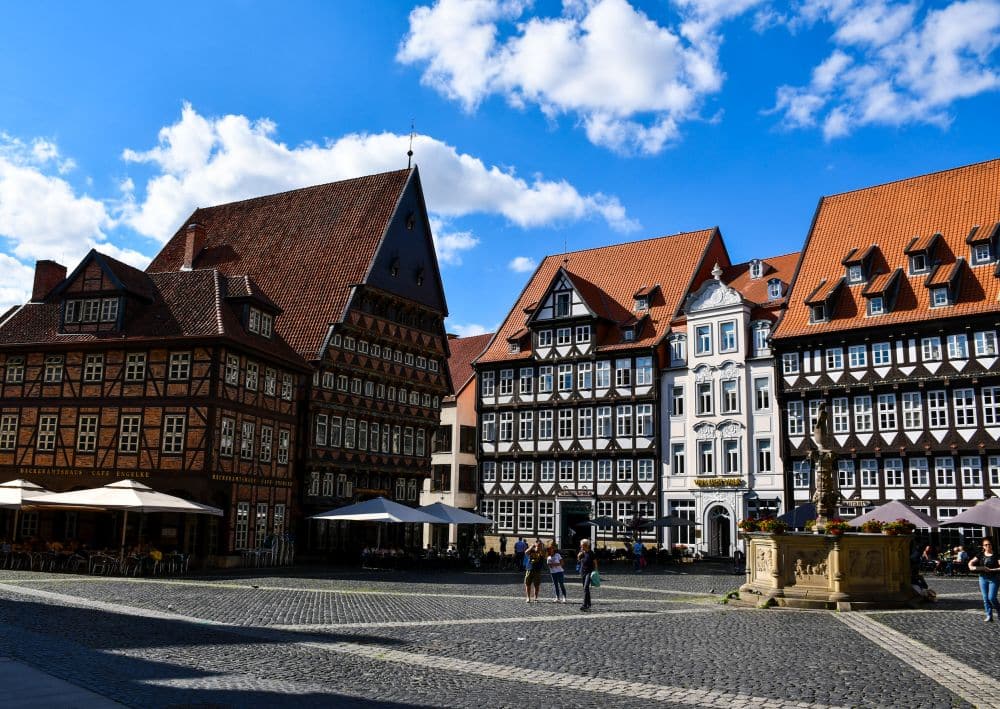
(464, 351)
(755, 289)
(305, 248)
(889, 217)
(126, 278)
(609, 277)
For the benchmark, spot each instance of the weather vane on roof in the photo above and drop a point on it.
(409, 153)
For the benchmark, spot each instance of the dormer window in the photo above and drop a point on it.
(817, 313)
(918, 263)
(981, 253)
(628, 335)
(876, 305)
(939, 297)
(513, 347)
(563, 303)
(641, 303)
(260, 322)
(773, 289)
(855, 274)
(756, 269)
(91, 310)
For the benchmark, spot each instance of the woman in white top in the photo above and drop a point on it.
(555, 562)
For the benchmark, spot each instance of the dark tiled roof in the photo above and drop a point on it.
(243, 287)
(607, 279)
(305, 248)
(464, 351)
(889, 216)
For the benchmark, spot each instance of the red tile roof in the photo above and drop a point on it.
(755, 289)
(889, 216)
(305, 248)
(609, 276)
(464, 351)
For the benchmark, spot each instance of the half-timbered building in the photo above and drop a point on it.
(892, 321)
(178, 379)
(352, 264)
(568, 394)
(721, 446)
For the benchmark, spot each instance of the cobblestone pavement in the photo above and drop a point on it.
(459, 639)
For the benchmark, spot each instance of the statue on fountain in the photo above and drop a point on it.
(827, 494)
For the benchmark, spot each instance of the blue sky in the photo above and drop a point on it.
(538, 124)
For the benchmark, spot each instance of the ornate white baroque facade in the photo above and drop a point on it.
(720, 421)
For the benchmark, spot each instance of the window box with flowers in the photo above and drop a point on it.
(900, 526)
(837, 526)
(872, 526)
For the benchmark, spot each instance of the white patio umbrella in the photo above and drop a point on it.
(125, 495)
(378, 510)
(985, 513)
(891, 511)
(447, 514)
(15, 494)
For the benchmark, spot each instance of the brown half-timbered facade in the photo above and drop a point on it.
(176, 379)
(892, 321)
(353, 267)
(568, 395)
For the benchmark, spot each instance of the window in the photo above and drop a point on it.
(545, 425)
(604, 422)
(835, 359)
(841, 422)
(624, 420)
(506, 425)
(546, 515)
(180, 367)
(128, 433)
(644, 420)
(986, 343)
(585, 471)
(584, 376)
(645, 470)
(408, 359)
(603, 374)
(47, 425)
(944, 471)
(643, 371)
(801, 474)
(284, 438)
(544, 379)
(526, 515)
(86, 432)
(565, 424)
(526, 426)
(506, 382)
(93, 368)
(489, 427)
(881, 354)
(641, 303)
(322, 431)
(703, 340)
(887, 412)
(937, 408)
(527, 471)
(981, 253)
(173, 433)
(958, 347)
(706, 457)
(704, 399)
(857, 356)
(15, 370)
(397, 434)
(623, 373)
(761, 333)
(730, 396)
(773, 289)
(226, 437)
(266, 435)
(931, 349)
(336, 431)
(109, 309)
(913, 414)
(991, 406)
(548, 471)
(919, 473)
(855, 274)
(582, 334)
(563, 303)
(246, 440)
(135, 367)
(585, 423)
(527, 380)
(972, 471)
(677, 401)
(489, 472)
(565, 377)
(677, 350)
(796, 425)
(269, 381)
(939, 297)
(545, 338)
(564, 336)
(918, 263)
(376, 432)
(604, 471)
(342, 382)
(625, 470)
(243, 521)
(790, 363)
(486, 383)
(505, 515)
(727, 337)
(862, 414)
(817, 313)
(964, 401)
(894, 472)
(994, 466)
(565, 471)
(351, 432)
(764, 455)
(53, 369)
(363, 436)
(8, 432)
(845, 474)
(869, 473)
(731, 457)
(677, 459)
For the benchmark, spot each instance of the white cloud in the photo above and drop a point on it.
(522, 264)
(893, 65)
(466, 330)
(15, 282)
(450, 244)
(204, 161)
(630, 81)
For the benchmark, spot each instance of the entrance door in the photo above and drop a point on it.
(570, 515)
(719, 533)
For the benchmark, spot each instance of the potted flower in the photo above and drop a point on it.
(810, 525)
(770, 525)
(899, 526)
(872, 526)
(837, 526)
(749, 524)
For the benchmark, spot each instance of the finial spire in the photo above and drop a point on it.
(717, 271)
(409, 153)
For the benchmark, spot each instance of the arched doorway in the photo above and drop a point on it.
(719, 532)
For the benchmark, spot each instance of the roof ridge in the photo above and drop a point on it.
(629, 243)
(765, 258)
(915, 177)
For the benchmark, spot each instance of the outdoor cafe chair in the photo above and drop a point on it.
(103, 564)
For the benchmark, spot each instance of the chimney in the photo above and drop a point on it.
(195, 240)
(48, 274)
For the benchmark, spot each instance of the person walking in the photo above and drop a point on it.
(987, 565)
(638, 554)
(520, 546)
(588, 564)
(555, 562)
(533, 573)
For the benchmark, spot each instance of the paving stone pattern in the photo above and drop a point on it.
(469, 639)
